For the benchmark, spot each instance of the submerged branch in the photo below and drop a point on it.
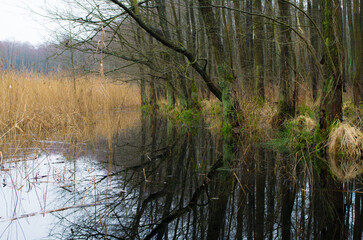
(58, 210)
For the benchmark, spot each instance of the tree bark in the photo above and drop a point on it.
(331, 101)
(270, 56)
(249, 43)
(139, 41)
(286, 103)
(358, 54)
(225, 75)
(168, 76)
(258, 51)
(241, 44)
(361, 51)
(350, 47)
(314, 42)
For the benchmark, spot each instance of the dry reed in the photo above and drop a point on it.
(38, 106)
(256, 117)
(345, 146)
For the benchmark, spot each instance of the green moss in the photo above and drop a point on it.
(189, 117)
(146, 108)
(306, 111)
(216, 109)
(226, 129)
(230, 78)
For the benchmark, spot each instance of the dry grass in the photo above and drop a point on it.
(39, 106)
(212, 110)
(353, 114)
(304, 123)
(345, 146)
(256, 117)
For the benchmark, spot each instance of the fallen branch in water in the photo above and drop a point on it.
(57, 210)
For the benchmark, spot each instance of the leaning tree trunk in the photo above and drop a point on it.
(177, 47)
(331, 100)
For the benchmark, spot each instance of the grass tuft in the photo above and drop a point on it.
(303, 123)
(345, 146)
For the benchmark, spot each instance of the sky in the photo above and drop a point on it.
(17, 22)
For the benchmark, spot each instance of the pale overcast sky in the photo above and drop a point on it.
(18, 23)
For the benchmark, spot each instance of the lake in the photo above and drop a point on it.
(162, 180)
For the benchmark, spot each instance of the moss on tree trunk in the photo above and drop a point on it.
(331, 99)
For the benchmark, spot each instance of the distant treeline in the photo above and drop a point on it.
(43, 58)
(19, 55)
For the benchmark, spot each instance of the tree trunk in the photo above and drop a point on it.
(175, 46)
(168, 76)
(191, 84)
(241, 44)
(361, 52)
(149, 53)
(270, 55)
(286, 103)
(346, 43)
(225, 76)
(249, 43)
(358, 54)
(331, 101)
(314, 8)
(139, 41)
(183, 82)
(350, 48)
(258, 50)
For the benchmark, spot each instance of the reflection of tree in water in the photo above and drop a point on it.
(192, 193)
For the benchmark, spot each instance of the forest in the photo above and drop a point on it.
(229, 49)
(300, 60)
(280, 82)
(291, 53)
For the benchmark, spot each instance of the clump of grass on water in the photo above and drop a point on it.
(345, 146)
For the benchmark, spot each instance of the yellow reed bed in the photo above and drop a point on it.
(39, 106)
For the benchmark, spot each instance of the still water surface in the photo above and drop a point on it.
(161, 181)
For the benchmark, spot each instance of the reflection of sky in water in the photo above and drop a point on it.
(40, 185)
